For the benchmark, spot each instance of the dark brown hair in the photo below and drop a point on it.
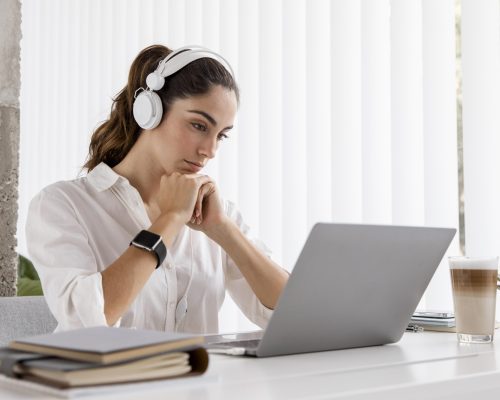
(114, 138)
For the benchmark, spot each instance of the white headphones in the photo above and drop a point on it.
(148, 109)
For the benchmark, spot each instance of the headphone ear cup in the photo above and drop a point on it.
(148, 110)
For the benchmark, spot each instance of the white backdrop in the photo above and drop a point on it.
(348, 109)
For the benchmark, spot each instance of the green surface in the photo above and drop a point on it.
(28, 282)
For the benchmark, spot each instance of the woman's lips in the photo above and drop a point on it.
(194, 166)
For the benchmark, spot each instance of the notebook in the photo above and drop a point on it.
(105, 345)
(103, 355)
(352, 286)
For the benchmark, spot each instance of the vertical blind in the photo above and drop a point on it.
(348, 109)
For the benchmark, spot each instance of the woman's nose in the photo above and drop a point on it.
(209, 147)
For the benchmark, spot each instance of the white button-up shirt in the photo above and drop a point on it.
(76, 229)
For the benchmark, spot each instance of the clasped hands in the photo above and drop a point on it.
(192, 197)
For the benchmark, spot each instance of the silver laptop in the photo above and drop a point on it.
(352, 286)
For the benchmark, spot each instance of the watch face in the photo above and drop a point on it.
(147, 239)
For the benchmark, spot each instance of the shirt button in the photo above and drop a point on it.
(171, 304)
(169, 266)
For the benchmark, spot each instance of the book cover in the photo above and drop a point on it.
(105, 344)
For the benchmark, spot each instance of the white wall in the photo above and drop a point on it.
(347, 108)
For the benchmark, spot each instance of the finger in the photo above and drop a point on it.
(202, 180)
(210, 188)
(199, 202)
(198, 212)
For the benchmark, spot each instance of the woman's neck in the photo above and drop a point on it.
(141, 172)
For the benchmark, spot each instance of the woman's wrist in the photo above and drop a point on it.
(218, 231)
(167, 226)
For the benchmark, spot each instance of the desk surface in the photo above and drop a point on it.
(421, 366)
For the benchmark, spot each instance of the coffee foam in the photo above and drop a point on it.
(473, 263)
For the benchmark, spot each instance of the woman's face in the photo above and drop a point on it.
(191, 132)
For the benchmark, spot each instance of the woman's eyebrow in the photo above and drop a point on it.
(207, 116)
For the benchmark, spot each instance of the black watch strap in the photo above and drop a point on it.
(151, 242)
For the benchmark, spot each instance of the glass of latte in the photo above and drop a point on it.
(474, 284)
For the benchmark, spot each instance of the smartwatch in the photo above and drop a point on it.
(151, 242)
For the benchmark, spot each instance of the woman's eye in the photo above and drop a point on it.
(221, 137)
(198, 126)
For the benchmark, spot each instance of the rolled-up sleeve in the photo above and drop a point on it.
(236, 284)
(59, 248)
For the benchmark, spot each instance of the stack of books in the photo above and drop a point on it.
(441, 321)
(103, 356)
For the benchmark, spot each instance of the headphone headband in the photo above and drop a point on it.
(183, 56)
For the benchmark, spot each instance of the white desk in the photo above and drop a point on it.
(421, 366)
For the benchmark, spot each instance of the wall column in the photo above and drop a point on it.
(10, 81)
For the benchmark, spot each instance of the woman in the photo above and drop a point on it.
(99, 242)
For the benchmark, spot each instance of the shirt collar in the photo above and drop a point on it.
(102, 177)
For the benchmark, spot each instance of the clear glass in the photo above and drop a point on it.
(474, 284)
(464, 338)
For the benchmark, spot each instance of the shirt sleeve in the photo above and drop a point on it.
(235, 282)
(59, 248)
